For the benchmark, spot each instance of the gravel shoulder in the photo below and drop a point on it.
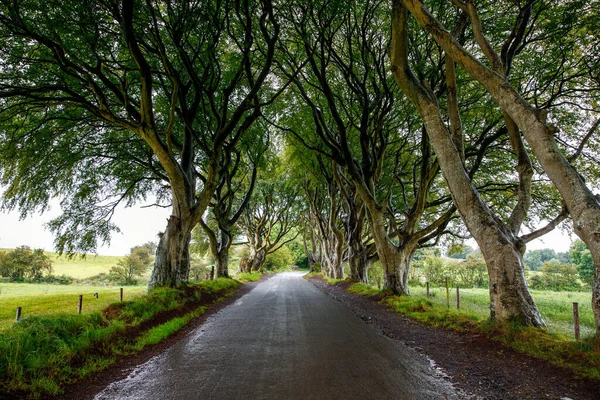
(473, 363)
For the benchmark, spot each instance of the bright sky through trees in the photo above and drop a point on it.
(138, 225)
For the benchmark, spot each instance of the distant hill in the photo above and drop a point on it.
(78, 267)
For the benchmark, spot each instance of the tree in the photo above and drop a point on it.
(146, 102)
(537, 129)
(270, 219)
(227, 207)
(132, 265)
(24, 263)
(356, 122)
(499, 244)
(581, 257)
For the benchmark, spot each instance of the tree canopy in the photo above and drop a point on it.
(370, 129)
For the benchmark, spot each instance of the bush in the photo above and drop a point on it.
(556, 276)
(23, 263)
(280, 259)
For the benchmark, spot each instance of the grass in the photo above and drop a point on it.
(42, 353)
(36, 299)
(79, 268)
(248, 276)
(556, 307)
(553, 344)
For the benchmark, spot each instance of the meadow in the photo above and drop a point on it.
(47, 299)
(556, 307)
(81, 267)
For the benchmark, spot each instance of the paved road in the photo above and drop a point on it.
(284, 340)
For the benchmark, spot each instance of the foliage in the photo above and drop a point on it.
(200, 269)
(556, 276)
(280, 259)
(582, 258)
(534, 259)
(134, 264)
(459, 250)
(23, 263)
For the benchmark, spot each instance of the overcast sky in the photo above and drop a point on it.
(140, 225)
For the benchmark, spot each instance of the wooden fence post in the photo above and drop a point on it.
(121, 295)
(576, 319)
(18, 317)
(212, 273)
(427, 285)
(457, 298)
(447, 294)
(80, 306)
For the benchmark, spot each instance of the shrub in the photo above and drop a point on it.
(556, 276)
(280, 259)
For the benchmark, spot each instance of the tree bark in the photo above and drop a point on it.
(172, 263)
(222, 263)
(258, 259)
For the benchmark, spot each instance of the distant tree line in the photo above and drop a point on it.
(23, 263)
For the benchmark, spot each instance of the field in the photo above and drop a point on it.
(556, 307)
(78, 267)
(53, 299)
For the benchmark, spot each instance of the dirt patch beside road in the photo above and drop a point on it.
(473, 363)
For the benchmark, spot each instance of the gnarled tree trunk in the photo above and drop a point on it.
(172, 261)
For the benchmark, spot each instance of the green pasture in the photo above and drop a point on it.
(82, 267)
(79, 267)
(39, 299)
(556, 307)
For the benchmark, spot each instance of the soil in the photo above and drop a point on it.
(472, 363)
(87, 388)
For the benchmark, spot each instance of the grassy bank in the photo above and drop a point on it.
(42, 353)
(549, 344)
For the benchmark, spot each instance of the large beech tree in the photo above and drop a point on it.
(155, 94)
(535, 127)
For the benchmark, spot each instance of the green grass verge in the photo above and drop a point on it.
(248, 276)
(40, 354)
(582, 356)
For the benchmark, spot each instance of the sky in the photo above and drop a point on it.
(140, 225)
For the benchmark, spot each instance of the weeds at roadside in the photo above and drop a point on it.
(248, 276)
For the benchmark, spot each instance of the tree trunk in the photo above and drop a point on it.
(222, 263)
(359, 266)
(394, 260)
(222, 254)
(172, 262)
(258, 260)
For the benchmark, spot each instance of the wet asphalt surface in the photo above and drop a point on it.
(284, 340)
